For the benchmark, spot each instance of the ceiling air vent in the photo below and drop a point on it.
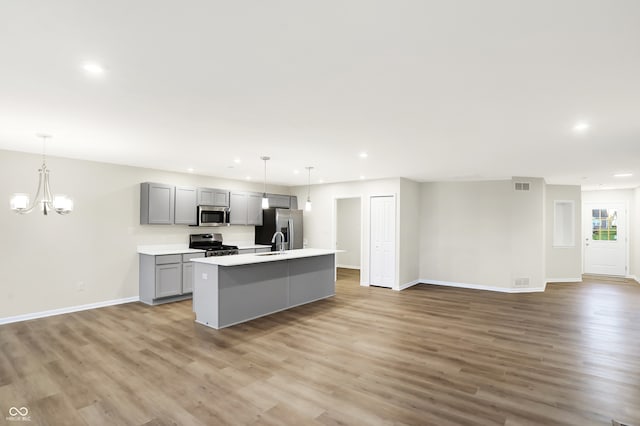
(522, 186)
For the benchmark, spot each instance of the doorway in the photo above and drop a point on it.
(605, 238)
(349, 238)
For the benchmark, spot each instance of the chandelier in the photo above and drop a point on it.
(61, 204)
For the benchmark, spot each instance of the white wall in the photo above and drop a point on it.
(320, 223)
(43, 258)
(563, 263)
(482, 234)
(348, 225)
(463, 236)
(635, 225)
(409, 214)
(528, 232)
(629, 197)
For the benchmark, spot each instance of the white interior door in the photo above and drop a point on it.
(383, 241)
(605, 239)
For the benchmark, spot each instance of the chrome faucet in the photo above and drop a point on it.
(273, 240)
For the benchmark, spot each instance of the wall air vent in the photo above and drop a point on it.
(522, 186)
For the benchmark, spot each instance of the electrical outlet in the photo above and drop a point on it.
(80, 286)
(205, 276)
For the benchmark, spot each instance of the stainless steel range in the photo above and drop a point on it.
(212, 243)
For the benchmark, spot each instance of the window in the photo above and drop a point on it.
(604, 224)
(563, 224)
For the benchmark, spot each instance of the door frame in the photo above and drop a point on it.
(334, 231)
(587, 223)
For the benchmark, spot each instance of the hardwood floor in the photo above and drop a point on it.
(426, 355)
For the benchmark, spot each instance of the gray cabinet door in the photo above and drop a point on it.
(213, 197)
(168, 280)
(245, 251)
(254, 209)
(187, 277)
(294, 203)
(156, 203)
(185, 206)
(238, 208)
(279, 201)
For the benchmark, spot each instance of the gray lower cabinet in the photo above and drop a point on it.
(263, 249)
(156, 203)
(185, 206)
(245, 208)
(166, 278)
(213, 197)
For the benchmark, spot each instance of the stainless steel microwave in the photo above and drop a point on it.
(213, 216)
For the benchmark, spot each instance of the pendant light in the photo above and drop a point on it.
(265, 200)
(61, 204)
(307, 205)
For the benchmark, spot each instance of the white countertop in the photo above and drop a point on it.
(251, 258)
(161, 249)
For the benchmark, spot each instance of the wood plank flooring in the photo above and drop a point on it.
(426, 355)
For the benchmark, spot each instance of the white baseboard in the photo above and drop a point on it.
(483, 287)
(633, 277)
(42, 314)
(564, 280)
(348, 266)
(407, 285)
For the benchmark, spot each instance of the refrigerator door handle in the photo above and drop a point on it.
(291, 233)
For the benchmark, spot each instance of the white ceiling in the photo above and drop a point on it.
(432, 90)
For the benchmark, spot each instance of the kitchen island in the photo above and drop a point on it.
(232, 289)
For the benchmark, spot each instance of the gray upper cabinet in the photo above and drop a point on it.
(238, 208)
(156, 203)
(245, 208)
(294, 202)
(185, 206)
(254, 209)
(279, 201)
(213, 197)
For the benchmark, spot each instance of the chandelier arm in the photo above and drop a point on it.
(35, 200)
(48, 200)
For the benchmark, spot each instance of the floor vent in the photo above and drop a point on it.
(522, 186)
(521, 282)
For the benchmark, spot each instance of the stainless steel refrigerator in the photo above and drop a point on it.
(287, 221)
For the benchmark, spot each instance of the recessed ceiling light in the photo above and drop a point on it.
(93, 68)
(295, 172)
(361, 177)
(581, 127)
(190, 170)
(363, 155)
(248, 178)
(623, 175)
(321, 181)
(236, 160)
